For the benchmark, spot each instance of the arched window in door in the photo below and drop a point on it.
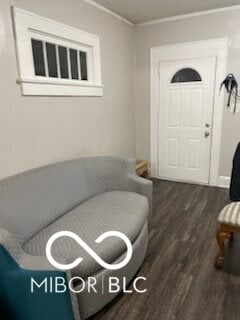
(186, 75)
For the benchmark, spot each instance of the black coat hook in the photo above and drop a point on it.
(231, 85)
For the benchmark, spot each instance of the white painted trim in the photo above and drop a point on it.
(27, 26)
(48, 89)
(209, 48)
(162, 20)
(116, 15)
(189, 15)
(51, 81)
(224, 182)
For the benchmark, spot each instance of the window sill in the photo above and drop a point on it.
(59, 87)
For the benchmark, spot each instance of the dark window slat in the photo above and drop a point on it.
(52, 60)
(74, 64)
(38, 57)
(83, 63)
(63, 61)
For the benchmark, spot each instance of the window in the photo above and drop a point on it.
(186, 75)
(55, 59)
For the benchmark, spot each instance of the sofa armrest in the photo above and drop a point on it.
(16, 270)
(24, 260)
(142, 186)
(11, 245)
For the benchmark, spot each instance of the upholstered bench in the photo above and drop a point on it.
(229, 222)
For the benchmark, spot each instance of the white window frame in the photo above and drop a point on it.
(28, 25)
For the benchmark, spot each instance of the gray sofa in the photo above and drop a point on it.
(87, 196)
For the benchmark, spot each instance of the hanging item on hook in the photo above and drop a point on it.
(231, 85)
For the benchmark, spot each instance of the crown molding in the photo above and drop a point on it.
(99, 6)
(162, 20)
(189, 15)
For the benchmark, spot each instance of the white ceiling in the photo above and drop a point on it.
(138, 11)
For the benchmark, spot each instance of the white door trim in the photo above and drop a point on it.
(209, 48)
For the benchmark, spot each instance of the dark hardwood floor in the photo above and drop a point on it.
(182, 282)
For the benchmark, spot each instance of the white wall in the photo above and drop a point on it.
(38, 130)
(226, 24)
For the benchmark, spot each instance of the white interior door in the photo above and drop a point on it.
(185, 118)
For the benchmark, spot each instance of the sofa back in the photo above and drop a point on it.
(32, 200)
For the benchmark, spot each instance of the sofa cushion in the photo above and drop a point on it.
(111, 211)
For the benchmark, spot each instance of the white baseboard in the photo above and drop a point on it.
(224, 182)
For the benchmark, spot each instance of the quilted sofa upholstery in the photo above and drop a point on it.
(88, 196)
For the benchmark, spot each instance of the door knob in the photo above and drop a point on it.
(207, 125)
(206, 134)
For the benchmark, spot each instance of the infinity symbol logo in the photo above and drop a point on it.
(88, 250)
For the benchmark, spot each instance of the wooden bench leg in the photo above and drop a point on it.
(221, 237)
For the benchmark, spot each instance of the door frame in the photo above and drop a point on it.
(191, 50)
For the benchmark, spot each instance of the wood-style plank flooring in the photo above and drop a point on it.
(182, 283)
